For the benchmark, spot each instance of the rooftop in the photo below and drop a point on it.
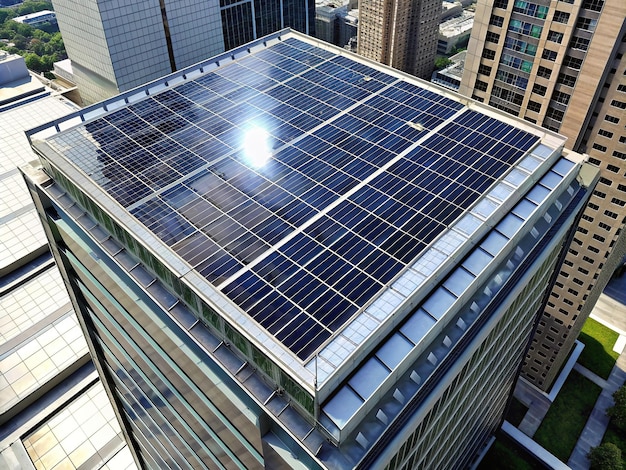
(37, 17)
(42, 348)
(310, 196)
(24, 103)
(460, 24)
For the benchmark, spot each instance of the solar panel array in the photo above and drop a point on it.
(322, 210)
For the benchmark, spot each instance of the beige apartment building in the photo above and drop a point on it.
(400, 33)
(561, 65)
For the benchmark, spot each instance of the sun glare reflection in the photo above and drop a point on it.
(256, 147)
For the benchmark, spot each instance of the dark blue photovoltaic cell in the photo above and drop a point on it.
(181, 163)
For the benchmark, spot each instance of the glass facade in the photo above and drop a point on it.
(68, 440)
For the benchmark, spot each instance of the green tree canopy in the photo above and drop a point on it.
(20, 41)
(33, 7)
(606, 457)
(33, 62)
(5, 14)
(442, 63)
(41, 47)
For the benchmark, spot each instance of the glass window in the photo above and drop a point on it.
(459, 281)
(544, 72)
(342, 406)
(572, 62)
(394, 350)
(561, 16)
(549, 55)
(369, 377)
(479, 259)
(587, 24)
(439, 303)
(579, 43)
(566, 79)
(555, 37)
(417, 326)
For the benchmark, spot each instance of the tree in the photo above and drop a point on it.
(47, 62)
(25, 30)
(37, 46)
(5, 13)
(6, 34)
(32, 7)
(442, 63)
(39, 34)
(40, 46)
(56, 41)
(617, 412)
(20, 41)
(605, 457)
(33, 62)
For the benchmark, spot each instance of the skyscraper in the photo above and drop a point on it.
(400, 33)
(116, 46)
(562, 65)
(290, 257)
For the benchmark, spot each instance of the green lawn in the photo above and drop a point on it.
(598, 355)
(505, 454)
(617, 437)
(516, 412)
(567, 416)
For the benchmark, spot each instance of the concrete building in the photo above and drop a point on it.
(289, 256)
(47, 381)
(562, 65)
(348, 27)
(115, 46)
(326, 21)
(400, 33)
(336, 23)
(450, 10)
(38, 18)
(455, 33)
(450, 77)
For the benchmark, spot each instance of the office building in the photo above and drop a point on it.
(400, 33)
(454, 33)
(336, 23)
(290, 256)
(562, 65)
(450, 10)
(450, 77)
(37, 19)
(46, 377)
(116, 46)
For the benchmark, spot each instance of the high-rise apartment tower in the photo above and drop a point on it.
(115, 46)
(561, 65)
(292, 257)
(400, 33)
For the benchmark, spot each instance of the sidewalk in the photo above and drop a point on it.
(598, 420)
(611, 312)
(537, 401)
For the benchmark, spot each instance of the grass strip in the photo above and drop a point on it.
(598, 355)
(567, 416)
(506, 454)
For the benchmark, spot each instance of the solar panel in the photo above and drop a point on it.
(298, 181)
